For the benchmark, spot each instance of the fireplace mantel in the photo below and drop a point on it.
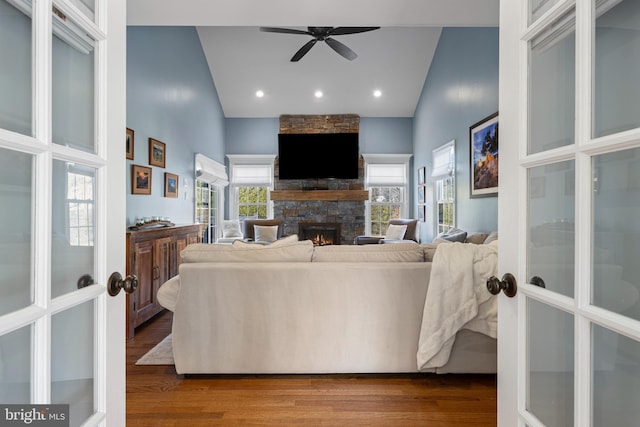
(319, 195)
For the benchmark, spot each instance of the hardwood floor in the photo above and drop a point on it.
(156, 396)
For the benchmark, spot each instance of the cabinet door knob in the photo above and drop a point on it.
(116, 282)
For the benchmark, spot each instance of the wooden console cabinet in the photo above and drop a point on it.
(154, 256)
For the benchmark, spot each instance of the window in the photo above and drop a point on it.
(251, 182)
(211, 178)
(80, 202)
(386, 178)
(444, 172)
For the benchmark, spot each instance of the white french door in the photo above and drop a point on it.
(62, 217)
(569, 203)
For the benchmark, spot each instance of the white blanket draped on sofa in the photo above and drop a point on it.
(457, 299)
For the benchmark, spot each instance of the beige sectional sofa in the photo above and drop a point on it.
(291, 308)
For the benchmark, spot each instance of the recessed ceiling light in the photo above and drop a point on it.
(377, 93)
(259, 93)
(318, 94)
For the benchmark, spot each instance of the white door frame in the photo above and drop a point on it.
(512, 204)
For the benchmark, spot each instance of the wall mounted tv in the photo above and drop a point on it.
(318, 155)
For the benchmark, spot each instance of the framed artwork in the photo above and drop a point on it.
(421, 175)
(130, 143)
(483, 142)
(140, 179)
(422, 189)
(422, 212)
(170, 185)
(157, 153)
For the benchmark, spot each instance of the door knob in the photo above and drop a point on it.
(116, 282)
(535, 280)
(508, 285)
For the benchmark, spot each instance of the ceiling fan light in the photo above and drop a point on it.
(318, 94)
(259, 93)
(377, 93)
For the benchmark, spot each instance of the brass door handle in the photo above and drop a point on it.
(116, 282)
(508, 285)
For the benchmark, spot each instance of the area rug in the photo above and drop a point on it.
(161, 354)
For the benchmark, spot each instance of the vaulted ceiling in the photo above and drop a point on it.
(394, 59)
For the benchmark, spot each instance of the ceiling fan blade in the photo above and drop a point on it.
(284, 31)
(303, 50)
(338, 31)
(341, 48)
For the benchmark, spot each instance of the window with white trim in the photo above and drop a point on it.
(444, 183)
(387, 179)
(251, 182)
(80, 203)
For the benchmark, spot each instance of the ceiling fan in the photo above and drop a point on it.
(322, 34)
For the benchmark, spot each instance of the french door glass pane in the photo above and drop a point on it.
(551, 225)
(15, 366)
(16, 210)
(550, 344)
(15, 77)
(73, 96)
(616, 379)
(537, 8)
(72, 226)
(72, 360)
(551, 91)
(616, 97)
(616, 232)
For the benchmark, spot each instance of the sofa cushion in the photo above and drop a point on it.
(280, 242)
(395, 232)
(453, 235)
(428, 250)
(491, 237)
(231, 228)
(285, 252)
(265, 233)
(399, 252)
(476, 238)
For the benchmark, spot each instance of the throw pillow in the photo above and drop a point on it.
(395, 232)
(476, 238)
(265, 233)
(231, 228)
(455, 237)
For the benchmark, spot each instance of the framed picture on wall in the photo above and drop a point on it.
(483, 143)
(140, 179)
(157, 153)
(170, 185)
(421, 175)
(422, 190)
(422, 212)
(130, 141)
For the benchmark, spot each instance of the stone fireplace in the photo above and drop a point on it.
(337, 202)
(320, 233)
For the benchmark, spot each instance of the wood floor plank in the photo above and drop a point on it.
(158, 397)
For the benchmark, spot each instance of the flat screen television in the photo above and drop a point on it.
(318, 155)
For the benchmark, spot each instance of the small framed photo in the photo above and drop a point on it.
(170, 185)
(130, 143)
(140, 179)
(422, 193)
(157, 153)
(421, 175)
(421, 212)
(483, 142)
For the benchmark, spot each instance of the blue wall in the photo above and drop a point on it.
(460, 90)
(377, 136)
(170, 97)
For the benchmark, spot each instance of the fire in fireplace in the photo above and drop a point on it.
(320, 233)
